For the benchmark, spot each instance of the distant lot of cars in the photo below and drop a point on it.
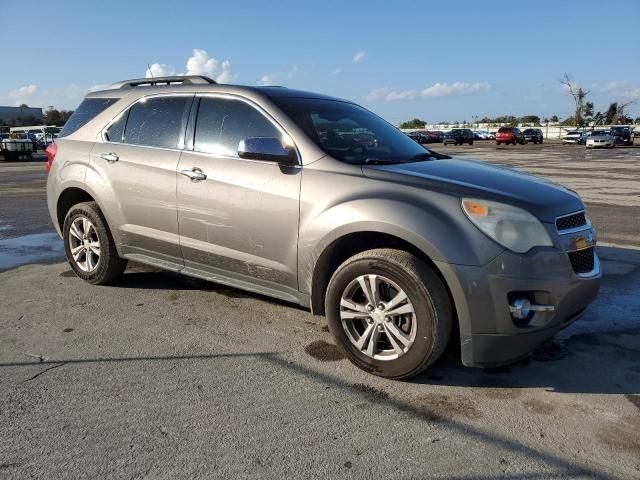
(606, 138)
(602, 137)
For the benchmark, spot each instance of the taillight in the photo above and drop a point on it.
(52, 149)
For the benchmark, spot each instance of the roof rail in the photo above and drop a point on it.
(174, 79)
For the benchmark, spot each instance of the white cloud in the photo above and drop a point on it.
(618, 89)
(22, 94)
(358, 56)
(268, 79)
(200, 63)
(435, 90)
(276, 78)
(159, 70)
(337, 71)
(389, 94)
(293, 71)
(444, 89)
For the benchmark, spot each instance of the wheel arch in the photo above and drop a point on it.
(69, 197)
(350, 244)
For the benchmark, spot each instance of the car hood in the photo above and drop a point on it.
(470, 178)
(600, 137)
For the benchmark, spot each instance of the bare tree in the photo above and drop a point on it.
(578, 94)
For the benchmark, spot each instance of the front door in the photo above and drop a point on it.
(238, 218)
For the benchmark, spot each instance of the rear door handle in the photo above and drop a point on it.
(194, 174)
(110, 157)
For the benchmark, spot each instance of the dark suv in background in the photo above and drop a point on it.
(622, 135)
(458, 136)
(533, 135)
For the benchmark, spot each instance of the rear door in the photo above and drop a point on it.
(135, 173)
(239, 225)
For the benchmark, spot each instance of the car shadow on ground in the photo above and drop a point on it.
(598, 354)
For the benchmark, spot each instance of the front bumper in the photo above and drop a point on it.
(600, 144)
(489, 335)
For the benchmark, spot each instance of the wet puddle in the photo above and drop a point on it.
(33, 248)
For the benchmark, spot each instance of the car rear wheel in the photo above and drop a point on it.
(89, 246)
(389, 312)
(497, 143)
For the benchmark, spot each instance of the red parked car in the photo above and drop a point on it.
(510, 135)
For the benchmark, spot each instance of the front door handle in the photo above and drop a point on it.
(110, 157)
(194, 174)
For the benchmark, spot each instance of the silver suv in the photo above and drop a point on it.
(317, 201)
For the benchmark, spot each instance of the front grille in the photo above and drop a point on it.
(571, 221)
(582, 261)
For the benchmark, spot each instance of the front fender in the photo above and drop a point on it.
(441, 231)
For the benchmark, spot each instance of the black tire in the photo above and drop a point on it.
(497, 143)
(110, 265)
(541, 140)
(426, 292)
(471, 142)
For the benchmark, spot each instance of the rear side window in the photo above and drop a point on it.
(222, 123)
(86, 111)
(504, 129)
(157, 121)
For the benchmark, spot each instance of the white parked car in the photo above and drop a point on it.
(600, 138)
(573, 136)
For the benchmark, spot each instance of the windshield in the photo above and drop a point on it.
(350, 133)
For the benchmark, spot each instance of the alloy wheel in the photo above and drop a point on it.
(84, 244)
(378, 317)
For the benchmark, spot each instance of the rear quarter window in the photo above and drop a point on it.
(86, 111)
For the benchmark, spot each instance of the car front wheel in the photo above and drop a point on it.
(389, 312)
(89, 246)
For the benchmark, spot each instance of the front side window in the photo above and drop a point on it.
(156, 121)
(221, 124)
(350, 133)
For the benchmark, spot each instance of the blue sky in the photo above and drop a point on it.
(437, 60)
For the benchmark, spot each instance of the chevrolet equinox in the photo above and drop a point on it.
(317, 201)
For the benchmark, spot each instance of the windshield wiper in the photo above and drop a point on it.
(429, 155)
(380, 161)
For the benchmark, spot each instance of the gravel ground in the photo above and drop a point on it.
(159, 377)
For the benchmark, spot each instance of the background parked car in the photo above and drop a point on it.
(573, 136)
(533, 135)
(439, 135)
(510, 135)
(599, 138)
(458, 136)
(481, 135)
(420, 137)
(622, 135)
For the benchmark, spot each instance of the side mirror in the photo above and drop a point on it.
(268, 149)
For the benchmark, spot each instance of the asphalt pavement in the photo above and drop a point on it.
(157, 376)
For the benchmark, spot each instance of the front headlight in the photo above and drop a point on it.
(511, 227)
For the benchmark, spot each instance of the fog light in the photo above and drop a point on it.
(522, 307)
